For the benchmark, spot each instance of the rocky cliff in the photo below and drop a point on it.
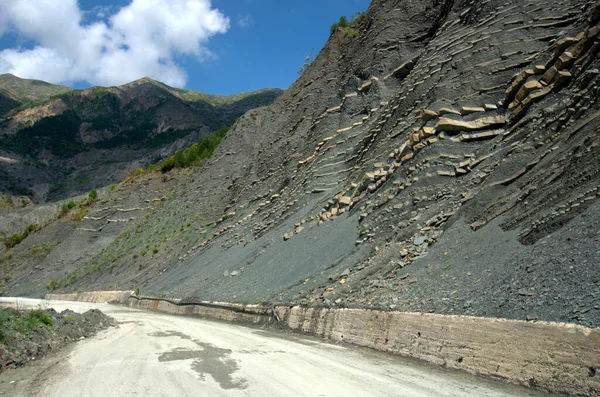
(437, 156)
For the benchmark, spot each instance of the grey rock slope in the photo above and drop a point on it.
(445, 159)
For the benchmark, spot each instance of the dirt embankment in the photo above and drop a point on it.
(26, 335)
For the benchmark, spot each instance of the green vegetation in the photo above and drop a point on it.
(348, 26)
(83, 207)
(52, 285)
(80, 214)
(138, 136)
(351, 32)
(6, 202)
(59, 134)
(41, 250)
(22, 325)
(66, 207)
(196, 153)
(7, 103)
(15, 239)
(64, 281)
(342, 23)
(136, 172)
(5, 257)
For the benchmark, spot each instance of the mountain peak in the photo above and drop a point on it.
(29, 90)
(8, 76)
(147, 80)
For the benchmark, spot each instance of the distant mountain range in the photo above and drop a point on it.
(56, 141)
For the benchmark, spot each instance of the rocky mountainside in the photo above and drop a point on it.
(437, 156)
(56, 142)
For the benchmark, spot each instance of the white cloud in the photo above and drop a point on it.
(245, 21)
(141, 39)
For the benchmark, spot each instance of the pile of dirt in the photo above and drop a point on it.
(27, 335)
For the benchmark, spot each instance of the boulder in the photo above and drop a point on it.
(345, 200)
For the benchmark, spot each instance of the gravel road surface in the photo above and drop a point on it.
(152, 354)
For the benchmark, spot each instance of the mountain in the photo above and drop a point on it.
(63, 142)
(437, 156)
(15, 92)
(25, 91)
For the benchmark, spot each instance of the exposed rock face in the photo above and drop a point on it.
(442, 124)
(58, 146)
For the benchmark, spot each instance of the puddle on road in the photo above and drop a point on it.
(210, 360)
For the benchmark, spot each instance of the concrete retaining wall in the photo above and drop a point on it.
(559, 358)
(93, 296)
(232, 313)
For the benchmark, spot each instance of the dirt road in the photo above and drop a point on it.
(152, 354)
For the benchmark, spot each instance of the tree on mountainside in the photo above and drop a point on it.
(342, 23)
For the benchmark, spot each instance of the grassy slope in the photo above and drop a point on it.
(27, 91)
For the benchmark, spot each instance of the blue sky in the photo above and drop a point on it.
(219, 47)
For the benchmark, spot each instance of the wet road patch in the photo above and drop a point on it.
(210, 360)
